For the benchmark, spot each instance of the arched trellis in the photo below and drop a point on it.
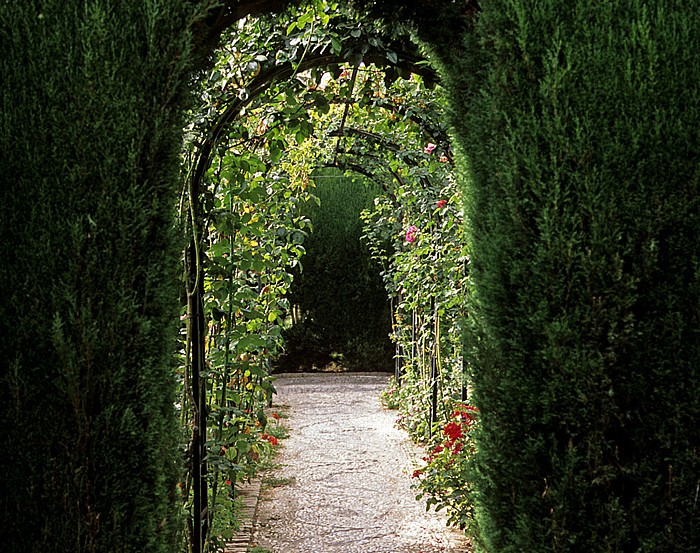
(361, 168)
(355, 51)
(426, 14)
(258, 85)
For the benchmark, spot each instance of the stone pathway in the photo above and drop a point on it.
(347, 475)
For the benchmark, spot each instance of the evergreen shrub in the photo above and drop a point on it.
(339, 291)
(90, 131)
(579, 123)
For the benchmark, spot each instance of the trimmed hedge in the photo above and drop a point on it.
(580, 124)
(340, 291)
(90, 131)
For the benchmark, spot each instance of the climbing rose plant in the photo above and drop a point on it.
(253, 191)
(419, 240)
(443, 480)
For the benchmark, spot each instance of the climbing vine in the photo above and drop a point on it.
(418, 236)
(284, 97)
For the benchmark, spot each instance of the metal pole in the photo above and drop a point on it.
(195, 304)
(434, 365)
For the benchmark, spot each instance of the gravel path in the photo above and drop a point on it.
(350, 475)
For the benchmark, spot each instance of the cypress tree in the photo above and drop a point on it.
(90, 131)
(579, 120)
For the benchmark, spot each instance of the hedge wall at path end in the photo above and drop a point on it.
(90, 125)
(340, 292)
(578, 124)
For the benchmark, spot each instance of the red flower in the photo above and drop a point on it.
(228, 482)
(464, 416)
(441, 204)
(453, 431)
(417, 473)
(271, 439)
(276, 416)
(465, 413)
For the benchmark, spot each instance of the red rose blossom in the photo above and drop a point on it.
(453, 431)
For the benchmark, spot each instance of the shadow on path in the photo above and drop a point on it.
(348, 475)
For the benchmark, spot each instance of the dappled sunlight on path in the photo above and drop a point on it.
(348, 475)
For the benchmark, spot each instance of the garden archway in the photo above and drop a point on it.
(580, 123)
(512, 226)
(363, 48)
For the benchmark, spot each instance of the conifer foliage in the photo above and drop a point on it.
(579, 123)
(340, 292)
(577, 128)
(89, 139)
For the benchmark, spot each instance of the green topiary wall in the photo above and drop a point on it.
(340, 291)
(90, 127)
(576, 126)
(579, 123)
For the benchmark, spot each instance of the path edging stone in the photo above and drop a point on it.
(249, 493)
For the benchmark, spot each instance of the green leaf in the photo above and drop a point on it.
(336, 45)
(242, 446)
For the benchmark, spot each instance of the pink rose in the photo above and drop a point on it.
(411, 233)
(429, 148)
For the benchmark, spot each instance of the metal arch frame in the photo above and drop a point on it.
(406, 61)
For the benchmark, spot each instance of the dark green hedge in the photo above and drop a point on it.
(577, 127)
(579, 121)
(90, 126)
(340, 292)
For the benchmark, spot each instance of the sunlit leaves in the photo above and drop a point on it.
(269, 117)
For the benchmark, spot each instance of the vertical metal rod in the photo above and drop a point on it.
(397, 364)
(414, 346)
(353, 79)
(195, 349)
(398, 359)
(434, 365)
(465, 272)
(195, 304)
(464, 374)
